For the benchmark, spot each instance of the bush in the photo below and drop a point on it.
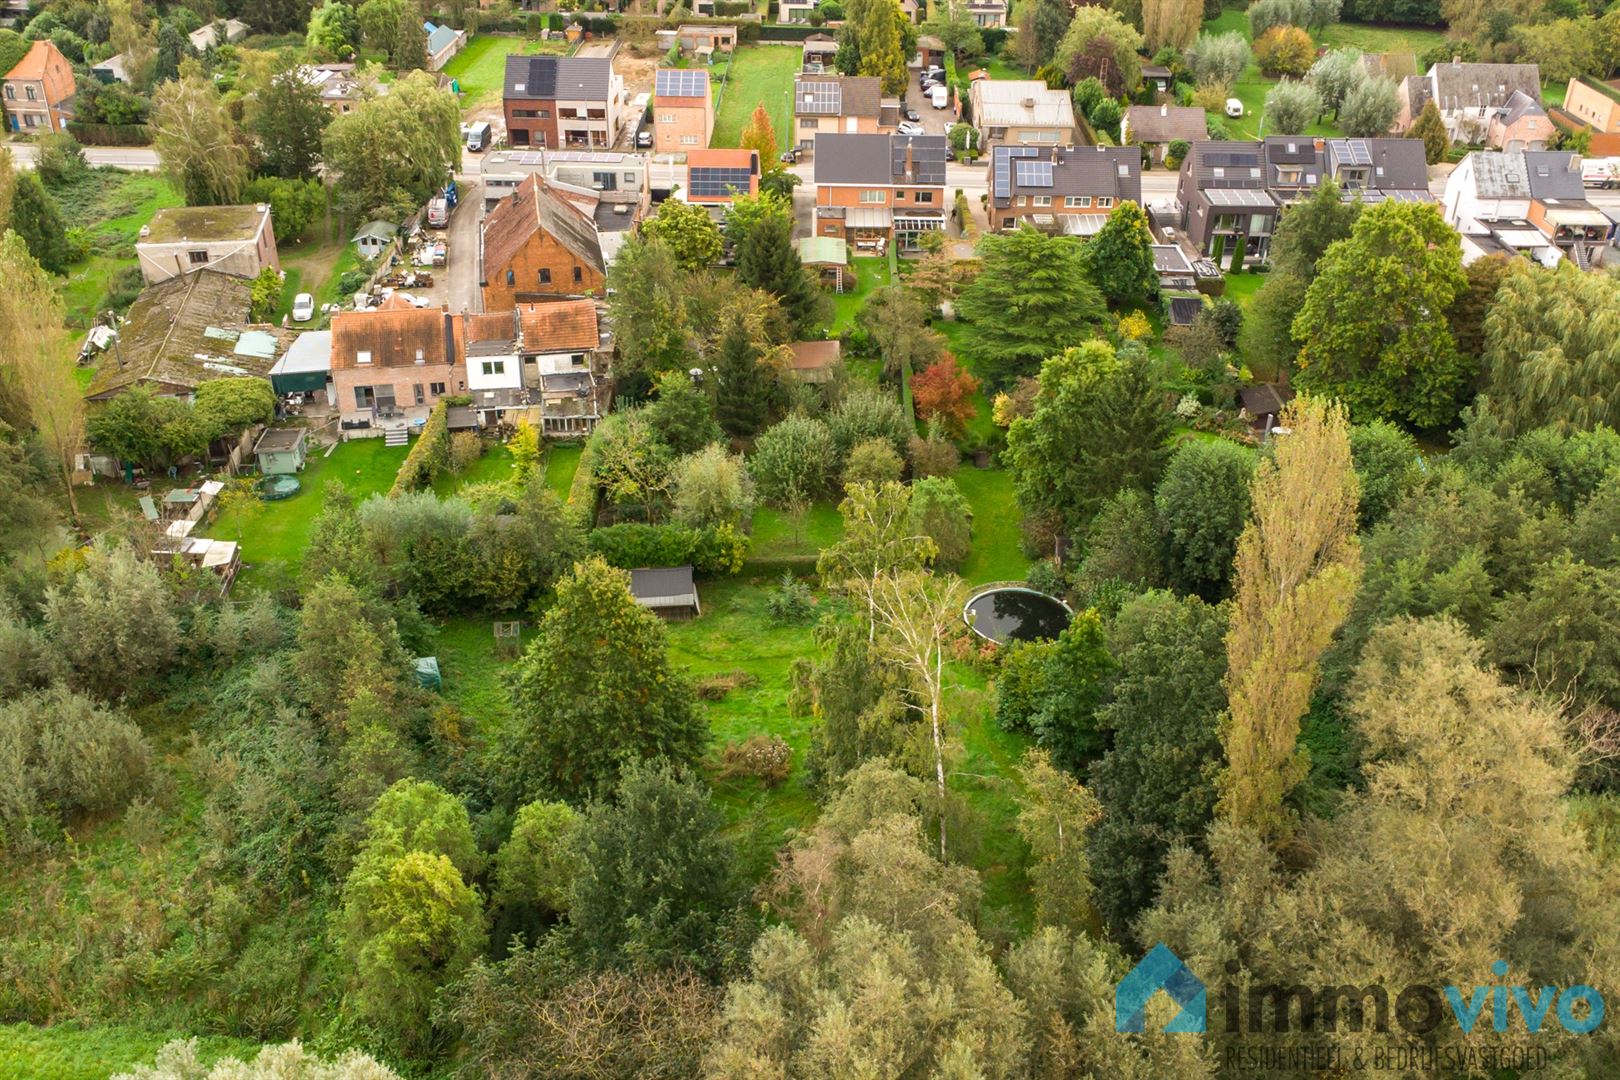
(718, 549)
(766, 758)
(872, 462)
(932, 456)
(940, 510)
(427, 457)
(869, 413)
(717, 686)
(792, 460)
(790, 601)
(465, 448)
(712, 487)
(61, 754)
(113, 626)
(1284, 50)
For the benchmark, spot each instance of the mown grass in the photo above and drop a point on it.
(998, 553)
(494, 466)
(1240, 288)
(777, 536)
(871, 274)
(480, 68)
(562, 461)
(71, 1052)
(758, 74)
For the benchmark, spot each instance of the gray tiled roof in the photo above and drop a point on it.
(549, 78)
(1554, 174)
(878, 159)
(1166, 123)
(1111, 171)
(1462, 86)
(1240, 164)
(837, 95)
(1519, 105)
(1396, 164)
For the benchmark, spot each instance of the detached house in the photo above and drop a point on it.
(391, 365)
(561, 102)
(1595, 107)
(847, 104)
(38, 92)
(182, 240)
(1468, 96)
(1528, 202)
(987, 14)
(538, 244)
(1068, 190)
(683, 110)
(1155, 127)
(871, 189)
(1021, 112)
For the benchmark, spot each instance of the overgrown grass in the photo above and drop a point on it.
(480, 68)
(997, 534)
(1416, 40)
(274, 535)
(758, 74)
(112, 206)
(72, 1052)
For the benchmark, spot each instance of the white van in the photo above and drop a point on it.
(1234, 107)
(940, 97)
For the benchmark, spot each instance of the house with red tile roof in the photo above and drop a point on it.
(38, 92)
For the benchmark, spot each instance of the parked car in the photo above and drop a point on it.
(932, 72)
(789, 156)
(303, 308)
(477, 136)
(940, 97)
(1234, 107)
(911, 114)
(644, 140)
(908, 128)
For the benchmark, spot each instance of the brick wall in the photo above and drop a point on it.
(542, 252)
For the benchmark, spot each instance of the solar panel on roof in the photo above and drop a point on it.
(1033, 173)
(1002, 164)
(710, 181)
(681, 82)
(1353, 151)
(818, 97)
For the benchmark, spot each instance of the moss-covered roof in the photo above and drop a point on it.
(179, 334)
(203, 223)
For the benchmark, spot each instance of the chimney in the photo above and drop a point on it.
(1456, 60)
(1164, 110)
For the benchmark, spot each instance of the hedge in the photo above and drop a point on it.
(110, 134)
(788, 32)
(582, 494)
(717, 550)
(428, 456)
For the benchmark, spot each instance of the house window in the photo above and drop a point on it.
(666, 118)
(33, 93)
(545, 276)
(1077, 202)
(385, 397)
(1043, 200)
(363, 397)
(436, 389)
(808, 123)
(1104, 202)
(689, 140)
(520, 137)
(421, 397)
(579, 275)
(869, 195)
(11, 93)
(494, 367)
(1288, 176)
(511, 278)
(1023, 200)
(197, 257)
(1218, 172)
(421, 357)
(577, 360)
(922, 196)
(363, 356)
(630, 178)
(1008, 223)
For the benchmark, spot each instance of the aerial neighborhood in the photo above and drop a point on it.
(809, 539)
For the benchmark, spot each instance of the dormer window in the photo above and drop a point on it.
(421, 357)
(363, 356)
(1218, 172)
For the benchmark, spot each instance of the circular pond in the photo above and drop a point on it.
(1013, 613)
(280, 486)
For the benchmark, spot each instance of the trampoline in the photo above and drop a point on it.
(1011, 613)
(279, 486)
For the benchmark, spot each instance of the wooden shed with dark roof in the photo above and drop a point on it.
(537, 245)
(666, 590)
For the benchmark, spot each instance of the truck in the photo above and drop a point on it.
(442, 205)
(1600, 172)
(477, 136)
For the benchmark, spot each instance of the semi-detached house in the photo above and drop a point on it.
(1067, 190)
(873, 189)
(563, 102)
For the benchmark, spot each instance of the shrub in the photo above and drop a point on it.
(766, 758)
(1284, 50)
(940, 510)
(790, 601)
(62, 754)
(712, 488)
(873, 461)
(946, 391)
(715, 687)
(934, 455)
(113, 626)
(1216, 61)
(718, 549)
(792, 460)
(465, 448)
(868, 413)
(181, 1060)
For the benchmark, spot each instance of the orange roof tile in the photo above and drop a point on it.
(565, 325)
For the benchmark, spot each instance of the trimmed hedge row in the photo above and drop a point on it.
(110, 134)
(718, 550)
(430, 454)
(582, 495)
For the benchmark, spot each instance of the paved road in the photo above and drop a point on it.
(135, 158)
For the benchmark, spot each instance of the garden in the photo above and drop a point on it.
(480, 68)
(757, 74)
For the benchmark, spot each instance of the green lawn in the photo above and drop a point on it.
(561, 463)
(758, 73)
(997, 551)
(871, 273)
(774, 534)
(111, 206)
(275, 534)
(493, 467)
(71, 1052)
(480, 68)
(1240, 288)
(1416, 40)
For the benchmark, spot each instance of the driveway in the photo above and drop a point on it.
(456, 283)
(934, 121)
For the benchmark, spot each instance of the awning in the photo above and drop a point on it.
(868, 217)
(918, 224)
(1577, 216)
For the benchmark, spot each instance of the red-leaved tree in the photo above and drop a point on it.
(946, 390)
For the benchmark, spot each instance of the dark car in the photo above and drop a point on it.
(789, 157)
(911, 114)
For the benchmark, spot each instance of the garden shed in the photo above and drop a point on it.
(281, 450)
(374, 238)
(306, 366)
(828, 256)
(667, 590)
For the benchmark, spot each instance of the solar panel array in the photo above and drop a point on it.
(1353, 151)
(1239, 197)
(1002, 161)
(681, 82)
(1225, 158)
(713, 182)
(1033, 173)
(819, 98)
(927, 158)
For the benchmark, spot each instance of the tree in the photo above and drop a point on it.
(1387, 467)
(113, 623)
(1560, 635)
(767, 259)
(8, 184)
(1561, 48)
(1369, 109)
(760, 137)
(1298, 565)
(1054, 815)
(1473, 304)
(334, 31)
(295, 205)
(1309, 227)
(265, 294)
(742, 384)
(872, 461)
(897, 323)
(1115, 61)
(36, 218)
(947, 391)
(288, 118)
(182, 1059)
(689, 232)
(394, 27)
(1172, 23)
(872, 30)
(866, 412)
(879, 539)
(409, 923)
(941, 512)
(536, 867)
(198, 142)
(1156, 783)
(1432, 130)
(129, 33)
(393, 151)
(1548, 360)
(1284, 50)
(1291, 106)
(1218, 59)
(1203, 506)
(13, 47)
(646, 297)
(713, 488)
(1373, 326)
(681, 415)
(1335, 74)
(1032, 299)
(1120, 256)
(1097, 427)
(595, 691)
(1050, 20)
(35, 357)
(230, 406)
(657, 885)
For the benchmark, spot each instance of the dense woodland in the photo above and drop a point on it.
(1337, 707)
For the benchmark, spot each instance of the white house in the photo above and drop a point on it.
(1529, 202)
(560, 344)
